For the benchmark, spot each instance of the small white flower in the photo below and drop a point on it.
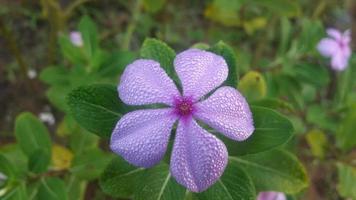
(3, 178)
(31, 73)
(76, 38)
(47, 117)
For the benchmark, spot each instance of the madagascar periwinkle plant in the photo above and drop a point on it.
(222, 100)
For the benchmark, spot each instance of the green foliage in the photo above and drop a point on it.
(89, 34)
(317, 142)
(52, 189)
(97, 108)
(234, 184)
(345, 135)
(34, 140)
(347, 181)
(275, 170)
(153, 5)
(120, 179)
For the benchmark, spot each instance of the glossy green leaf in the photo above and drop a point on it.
(159, 51)
(89, 35)
(271, 130)
(234, 184)
(97, 108)
(7, 171)
(274, 170)
(346, 181)
(228, 54)
(52, 189)
(120, 179)
(31, 134)
(157, 183)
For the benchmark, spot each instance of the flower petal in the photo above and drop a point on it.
(200, 72)
(227, 111)
(327, 47)
(339, 61)
(334, 33)
(141, 136)
(271, 195)
(346, 37)
(145, 82)
(198, 158)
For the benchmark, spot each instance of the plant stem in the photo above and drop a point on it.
(13, 48)
(131, 27)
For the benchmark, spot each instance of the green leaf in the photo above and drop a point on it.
(17, 158)
(159, 51)
(54, 75)
(253, 86)
(120, 179)
(39, 161)
(271, 130)
(347, 181)
(16, 193)
(90, 164)
(314, 75)
(89, 35)
(56, 95)
(157, 184)
(116, 64)
(282, 7)
(97, 108)
(31, 134)
(274, 170)
(345, 135)
(34, 140)
(71, 52)
(228, 54)
(234, 184)
(153, 5)
(7, 171)
(273, 103)
(52, 189)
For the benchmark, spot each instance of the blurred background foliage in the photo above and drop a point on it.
(277, 64)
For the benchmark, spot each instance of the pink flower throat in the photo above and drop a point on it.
(183, 106)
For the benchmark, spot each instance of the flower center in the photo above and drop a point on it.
(183, 106)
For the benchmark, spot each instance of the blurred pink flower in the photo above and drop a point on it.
(271, 196)
(76, 38)
(337, 47)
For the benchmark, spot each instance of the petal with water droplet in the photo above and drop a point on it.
(141, 137)
(200, 72)
(198, 158)
(145, 82)
(228, 112)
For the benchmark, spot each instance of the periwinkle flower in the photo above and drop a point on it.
(198, 158)
(337, 47)
(76, 38)
(271, 195)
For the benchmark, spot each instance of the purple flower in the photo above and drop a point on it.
(198, 158)
(337, 47)
(271, 196)
(76, 38)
